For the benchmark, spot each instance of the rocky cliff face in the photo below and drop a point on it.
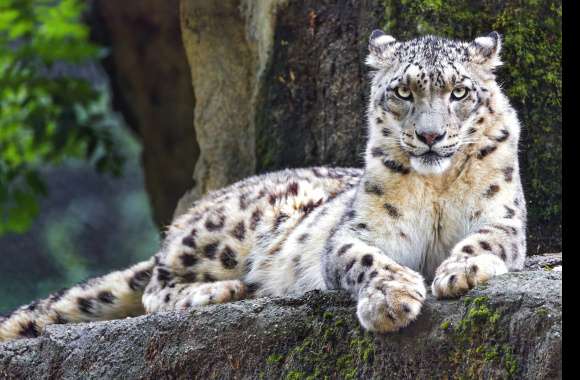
(509, 328)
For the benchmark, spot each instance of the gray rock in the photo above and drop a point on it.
(546, 261)
(510, 328)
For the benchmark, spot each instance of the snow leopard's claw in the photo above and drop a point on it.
(457, 275)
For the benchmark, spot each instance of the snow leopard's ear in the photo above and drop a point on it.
(485, 51)
(381, 48)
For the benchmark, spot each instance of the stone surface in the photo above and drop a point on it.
(510, 328)
(228, 44)
(546, 261)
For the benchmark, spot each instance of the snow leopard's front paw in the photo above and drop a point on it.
(457, 274)
(388, 304)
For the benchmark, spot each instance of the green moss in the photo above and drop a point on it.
(331, 350)
(445, 325)
(542, 311)
(531, 77)
(478, 314)
(327, 315)
(274, 358)
(476, 342)
(510, 362)
(363, 347)
(480, 301)
(295, 375)
(490, 354)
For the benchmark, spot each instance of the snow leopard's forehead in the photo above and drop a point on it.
(431, 51)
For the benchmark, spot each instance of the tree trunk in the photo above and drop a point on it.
(152, 88)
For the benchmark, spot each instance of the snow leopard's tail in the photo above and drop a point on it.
(112, 296)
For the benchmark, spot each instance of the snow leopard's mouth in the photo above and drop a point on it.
(430, 162)
(431, 156)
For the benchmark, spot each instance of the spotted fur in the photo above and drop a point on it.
(439, 198)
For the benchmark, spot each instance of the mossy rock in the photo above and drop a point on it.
(511, 329)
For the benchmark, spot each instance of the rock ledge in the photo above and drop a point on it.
(509, 328)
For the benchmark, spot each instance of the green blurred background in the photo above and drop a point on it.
(89, 223)
(72, 197)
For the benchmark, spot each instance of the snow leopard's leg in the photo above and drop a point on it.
(205, 255)
(183, 296)
(186, 276)
(112, 296)
(389, 295)
(201, 264)
(496, 246)
(204, 267)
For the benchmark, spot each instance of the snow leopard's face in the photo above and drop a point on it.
(425, 94)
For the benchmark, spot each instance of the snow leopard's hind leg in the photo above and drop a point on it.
(112, 296)
(202, 261)
(206, 255)
(183, 278)
(183, 296)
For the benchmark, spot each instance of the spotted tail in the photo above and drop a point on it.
(112, 296)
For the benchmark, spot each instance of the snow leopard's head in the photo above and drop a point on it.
(427, 93)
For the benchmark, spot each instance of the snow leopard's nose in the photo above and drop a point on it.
(430, 138)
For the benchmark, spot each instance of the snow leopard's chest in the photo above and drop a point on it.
(419, 232)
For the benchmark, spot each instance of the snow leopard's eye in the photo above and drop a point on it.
(403, 92)
(459, 93)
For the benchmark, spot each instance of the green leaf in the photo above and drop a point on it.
(44, 118)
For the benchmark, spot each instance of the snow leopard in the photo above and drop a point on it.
(437, 206)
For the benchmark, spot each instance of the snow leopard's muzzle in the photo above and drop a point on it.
(430, 137)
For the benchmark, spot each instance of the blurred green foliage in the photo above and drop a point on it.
(88, 225)
(45, 117)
